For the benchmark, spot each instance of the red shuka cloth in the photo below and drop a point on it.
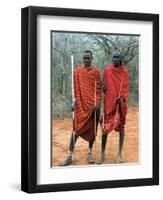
(84, 89)
(115, 84)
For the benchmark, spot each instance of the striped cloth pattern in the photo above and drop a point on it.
(84, 92)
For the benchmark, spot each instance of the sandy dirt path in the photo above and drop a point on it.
(61, 132)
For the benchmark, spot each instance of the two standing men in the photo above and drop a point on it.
(87, 92)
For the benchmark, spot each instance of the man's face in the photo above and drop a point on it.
(87, 59)
(116, 59)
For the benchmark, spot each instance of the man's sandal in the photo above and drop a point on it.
(90, 159)
(67, 162)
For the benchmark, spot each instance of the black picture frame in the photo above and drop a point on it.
(29, 98)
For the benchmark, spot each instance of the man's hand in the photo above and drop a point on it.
(102, 85)
(96, 108)
(119, 100)
(73, 105)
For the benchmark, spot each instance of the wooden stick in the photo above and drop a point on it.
(72, 84)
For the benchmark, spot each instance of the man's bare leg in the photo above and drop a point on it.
(69, 159)
(121, 140)
(90, 157)
(103, 146)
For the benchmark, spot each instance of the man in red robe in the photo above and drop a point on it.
(115, 80)
(86, 106)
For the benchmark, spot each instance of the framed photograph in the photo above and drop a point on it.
(90, 99)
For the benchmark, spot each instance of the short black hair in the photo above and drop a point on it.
(88, 51)
(120, 54)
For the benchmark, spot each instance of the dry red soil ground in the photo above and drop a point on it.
(61, 132)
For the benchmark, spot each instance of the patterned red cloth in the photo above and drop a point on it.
(84, 89)
(115, 85)
(88, 132)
